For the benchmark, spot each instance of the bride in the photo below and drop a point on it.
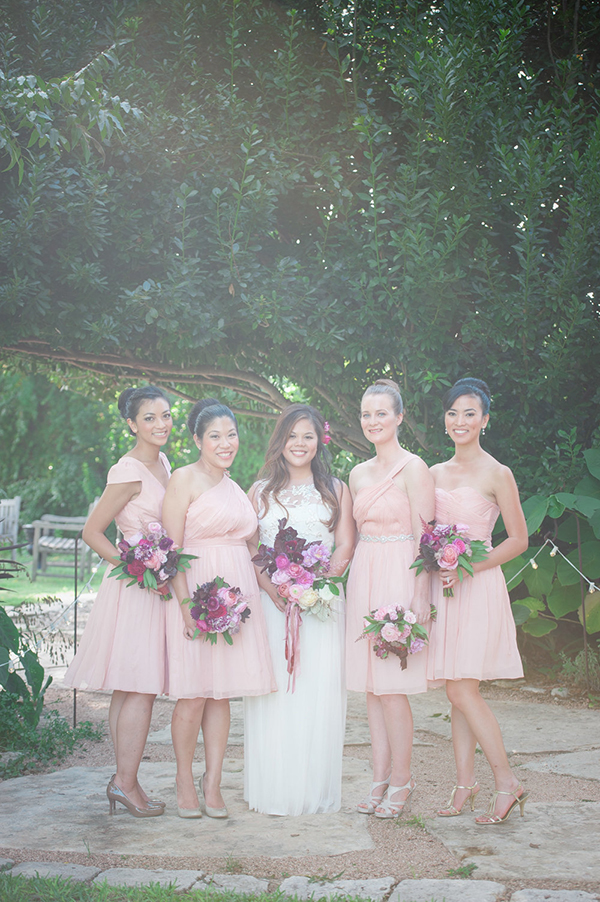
(294, 740)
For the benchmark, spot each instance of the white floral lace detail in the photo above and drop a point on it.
(303, 507)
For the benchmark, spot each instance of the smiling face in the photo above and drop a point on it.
(465, 419)
(301, 444)
(153, 422)
(377, 418)
(219, 443)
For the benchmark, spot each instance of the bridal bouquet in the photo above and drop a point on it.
(448, 548)
(396, 632)
(149, 560)
(217, 608)
(298, 569)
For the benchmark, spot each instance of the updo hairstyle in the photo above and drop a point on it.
(275, 473)
(204, 412)
(469, 386)
(132, 399)
(390, 388)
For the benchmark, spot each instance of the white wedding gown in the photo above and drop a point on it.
(294, 742)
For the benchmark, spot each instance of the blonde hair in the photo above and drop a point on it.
(387, 387)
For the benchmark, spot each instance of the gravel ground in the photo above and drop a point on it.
(403, 849)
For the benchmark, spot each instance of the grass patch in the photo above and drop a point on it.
(34, 889)
(54, 584)
(465, 870)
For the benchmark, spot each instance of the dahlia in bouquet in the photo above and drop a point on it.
(150, 560)
(298, 569)
(396, 632)
(216, 608)
(448, 548)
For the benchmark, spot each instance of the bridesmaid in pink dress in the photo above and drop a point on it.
(474, 636)
(209, 514)
(392, 492)
(123, 646)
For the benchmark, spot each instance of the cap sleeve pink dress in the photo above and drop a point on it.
(474, 636)
(123, 645)
(217, 527)
(380, 575)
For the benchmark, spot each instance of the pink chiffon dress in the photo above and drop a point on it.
(474, 636)
(217, 527)
(380, 575)
(123, 645)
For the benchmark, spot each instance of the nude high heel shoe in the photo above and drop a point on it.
(115, 794)
(389, 809)
(211, 812)
(152, 803)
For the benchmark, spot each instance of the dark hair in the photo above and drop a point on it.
(132, 399)
(204, 412)
(468, 386)
(387, 387)
(275, 472)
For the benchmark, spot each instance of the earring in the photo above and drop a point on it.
(445, 431)
(483, 431)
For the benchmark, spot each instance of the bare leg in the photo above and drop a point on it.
(185, 726)
(399, 731)
(131, 727)
(464, 742)
(116, 703)
(465, 697)
(215, 730)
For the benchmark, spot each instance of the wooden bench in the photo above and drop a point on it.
(46, 542)
(9, 521)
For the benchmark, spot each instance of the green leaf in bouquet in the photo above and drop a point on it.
(150, 580)
(227, 637)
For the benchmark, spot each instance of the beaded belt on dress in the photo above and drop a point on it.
(366, 538)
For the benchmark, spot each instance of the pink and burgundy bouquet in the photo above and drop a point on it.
(150, 560)
(395, 631)
(448, 548)
(216, 608)
(298, 569)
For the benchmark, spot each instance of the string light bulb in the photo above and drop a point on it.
(553, 552)
(592, 589)
(534, 564)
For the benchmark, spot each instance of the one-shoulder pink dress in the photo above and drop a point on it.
(123, 645)
(218, 524)
(474, 636)
(380, 575)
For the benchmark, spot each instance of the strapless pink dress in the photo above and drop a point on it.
(380, 575)
(123, 645)
(218, 524)
(474, 636)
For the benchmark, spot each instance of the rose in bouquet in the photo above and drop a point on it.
(395, 631)
(150, 560)
(298, 569)
(448, 548)
(216, 608)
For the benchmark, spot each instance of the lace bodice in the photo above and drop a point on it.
(305, 512)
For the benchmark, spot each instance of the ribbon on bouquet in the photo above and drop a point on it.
(293, 621)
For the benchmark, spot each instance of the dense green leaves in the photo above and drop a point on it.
(239, 196)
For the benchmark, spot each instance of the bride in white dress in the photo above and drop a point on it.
(294, 741)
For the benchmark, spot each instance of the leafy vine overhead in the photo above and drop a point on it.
(273, 200)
